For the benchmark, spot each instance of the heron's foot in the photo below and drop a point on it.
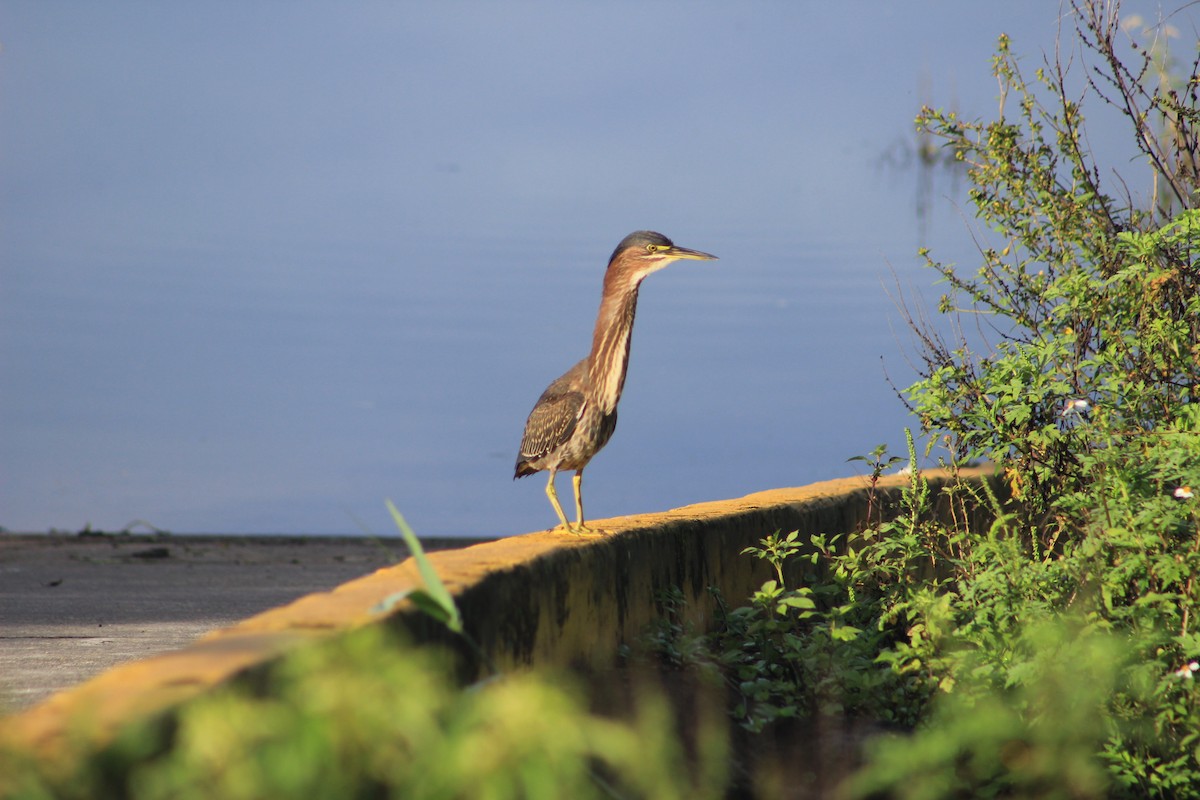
(579, 529)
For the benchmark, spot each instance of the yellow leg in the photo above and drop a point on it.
(553, 495)
(577, 483)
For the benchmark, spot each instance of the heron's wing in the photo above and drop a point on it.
(550, 424)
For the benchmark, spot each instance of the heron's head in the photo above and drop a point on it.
(643, 252)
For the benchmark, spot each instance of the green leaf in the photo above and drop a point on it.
(844, 633)
(435, 600)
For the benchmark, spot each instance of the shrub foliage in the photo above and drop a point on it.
(1051, 652)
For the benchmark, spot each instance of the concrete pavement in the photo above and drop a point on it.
(72, 606)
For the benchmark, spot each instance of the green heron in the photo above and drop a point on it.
(577, 413)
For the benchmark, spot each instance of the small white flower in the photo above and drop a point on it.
(1079, 406)
(1184, 493)
(1187, 670)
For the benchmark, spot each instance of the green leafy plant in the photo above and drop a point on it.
(434, 599)
(1088, 301)
(369, 717)
(366, 716)
(1036, 738)
(813, 648)
(1047, 648)
(1083, 391)
(879, 461)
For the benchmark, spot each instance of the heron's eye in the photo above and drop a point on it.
(651, 248)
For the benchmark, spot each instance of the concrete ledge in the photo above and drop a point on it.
(542, 598)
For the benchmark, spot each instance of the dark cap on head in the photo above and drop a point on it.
(641, 239)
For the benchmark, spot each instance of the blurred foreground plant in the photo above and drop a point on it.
(367, 718)
(364, 716)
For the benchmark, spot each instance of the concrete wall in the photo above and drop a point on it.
(541, 598)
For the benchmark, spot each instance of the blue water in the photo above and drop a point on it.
(264, 266)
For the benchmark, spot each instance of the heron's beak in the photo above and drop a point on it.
(695, 255)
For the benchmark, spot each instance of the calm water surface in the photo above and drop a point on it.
(263, 267)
